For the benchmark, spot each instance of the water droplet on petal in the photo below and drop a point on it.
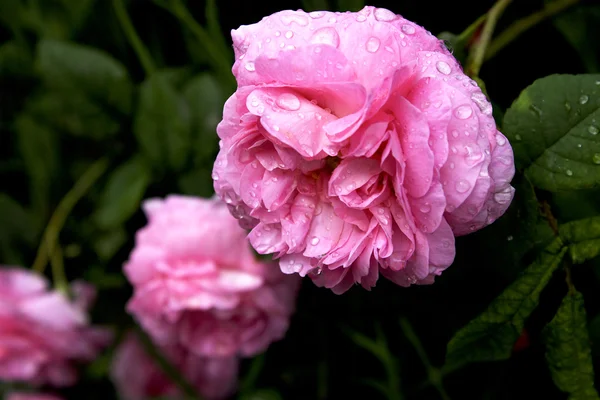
(289, 34)
(583, 99)
(288, 101)
(503, 197)
(408, 29)
(288, 19)
(361, 18)
(462, 186)
(314, 241)
(500, 140)
(463, 112)
(482, 102)
(425, 208)
(250, 66)
(215, 176)
(455, 133)
(383, 14)
(373, 45)
(275, 128)
(316, 14)
(443, 67)
(326, 35)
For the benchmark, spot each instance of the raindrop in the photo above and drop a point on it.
(567, 106)
(500, 140)
(509, 238)
(425, 208)
(215, 176)
(275, 128)
(314, 241)
(316, 14)
(250, 66)
(443, 67)
(595, 158)
(289, 34)
(593, 130)
(361, 18)
(536, 110)
(408, 29)
(503, 197)
(569, 172)
(482, 102)
(451, 165)
(383, 14)
(351, 187)
(277, 33)
(455, 134)
(326, 35)
(462, 186)
(288, 19)
(518, 137)
(583, 99)
(372, 45)
(463, 112)
(288, 101)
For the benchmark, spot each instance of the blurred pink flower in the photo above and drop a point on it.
(198, 284)
(137, 377)
(30, 396)
(42, 333)
(355, 145)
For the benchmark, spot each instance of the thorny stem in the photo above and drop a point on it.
(434, 374)
(172, 373)
(133, 38)
(523, 24)
(476, 56)
(64, 208)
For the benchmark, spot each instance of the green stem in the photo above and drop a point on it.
(471, 29)
(64, 208)
(434, 374)
(172, 373)
(58, 270)
(133, 38)
(521, 25)
(248, 383)
(218, 57)
(476, 56)
(389, 364)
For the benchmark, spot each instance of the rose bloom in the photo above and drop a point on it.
(198, 284)
(355, 146)
(30, 396)
(43, 334)
(137, 377)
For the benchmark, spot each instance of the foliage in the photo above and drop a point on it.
(82, 84)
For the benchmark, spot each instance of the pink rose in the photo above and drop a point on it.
(355, 145)
(43, 334)
(137, 377)
(198, 284)
(30, 396)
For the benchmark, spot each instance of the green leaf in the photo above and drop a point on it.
(108, 243)
(583, 238)
(38, 145)
(577, 26)
(205, 99)
(553, 127)
(263, 394)
(568, 351)
(15, 60)
(492, 334)
(197, 182)
(123, 193)
(73, 113)
(162, 124)
(102, 279)
(72, 67)
(18, 226)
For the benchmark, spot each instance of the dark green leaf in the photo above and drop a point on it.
(553, 127)
(583, 238)
(107, 244)
(263, 394)
(492, 334)
(196, 183)
(73, 113)
(15, 60)
(10, 13)
(177, 77)
(78, 11)
(72, 67)
(17, 226)
(205, 99)
(162, 124)
(350, 5)
(578, 26)
(102, 279)
(123, 193)
(568, 350)
(38, 145)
